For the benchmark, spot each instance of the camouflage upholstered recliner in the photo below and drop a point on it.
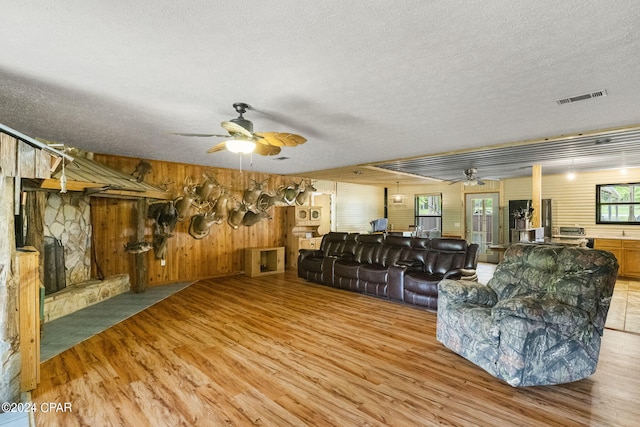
(540, 318)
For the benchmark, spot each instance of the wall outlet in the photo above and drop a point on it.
(163, 262)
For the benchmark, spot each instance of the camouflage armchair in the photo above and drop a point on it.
(540, 318)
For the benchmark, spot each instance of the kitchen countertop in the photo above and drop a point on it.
(616, 237)
(596, 236)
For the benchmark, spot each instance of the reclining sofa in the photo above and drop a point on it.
(406, 269)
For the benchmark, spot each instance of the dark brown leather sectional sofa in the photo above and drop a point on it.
(399, 268)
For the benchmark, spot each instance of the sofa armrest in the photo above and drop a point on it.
(461, 274)
(467, 292)
(395, 282)
(310, 253)
(543, 310)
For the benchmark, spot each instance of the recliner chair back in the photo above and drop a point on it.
(393, 249)
(333, 243)
(446, 255)
(570, 277)
(367, 247)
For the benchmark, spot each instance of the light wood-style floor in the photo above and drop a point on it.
(279, 351)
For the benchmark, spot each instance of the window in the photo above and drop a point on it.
(618, 204)
(429, 212)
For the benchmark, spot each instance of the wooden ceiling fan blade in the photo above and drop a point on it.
(266, 150)
(219, 147)
(281, 139)
(234, 128)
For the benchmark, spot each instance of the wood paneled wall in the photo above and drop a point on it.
(220, 253)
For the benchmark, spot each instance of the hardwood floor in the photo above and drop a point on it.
(279, 351)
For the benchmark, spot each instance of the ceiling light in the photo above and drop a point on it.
(571, 175)
(397, 198)
(240, 146)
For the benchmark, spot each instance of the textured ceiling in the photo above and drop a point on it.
(367, 82)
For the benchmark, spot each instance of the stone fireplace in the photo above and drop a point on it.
(67, 220)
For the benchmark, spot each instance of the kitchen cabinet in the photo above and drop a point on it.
(626, 251)
(631, 258)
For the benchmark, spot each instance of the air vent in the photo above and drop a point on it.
(596, 94)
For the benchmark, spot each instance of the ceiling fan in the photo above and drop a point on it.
(471, 177)
(244, 140)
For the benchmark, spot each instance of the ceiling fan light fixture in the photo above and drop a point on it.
(243, 146)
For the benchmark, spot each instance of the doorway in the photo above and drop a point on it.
(482, 225)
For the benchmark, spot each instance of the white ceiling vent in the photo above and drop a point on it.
(569, 100)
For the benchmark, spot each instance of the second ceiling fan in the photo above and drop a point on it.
(471, 177)
(244, 140)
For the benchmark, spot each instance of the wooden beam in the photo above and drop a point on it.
(141, 279)
(35, 206)
(536, 195)
(54, 184)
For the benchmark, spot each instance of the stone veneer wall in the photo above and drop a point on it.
(83, 295)
(67, 217)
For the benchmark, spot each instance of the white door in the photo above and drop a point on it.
(483, 223)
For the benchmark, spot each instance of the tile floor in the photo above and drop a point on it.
(65, 332)
(624, 312)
